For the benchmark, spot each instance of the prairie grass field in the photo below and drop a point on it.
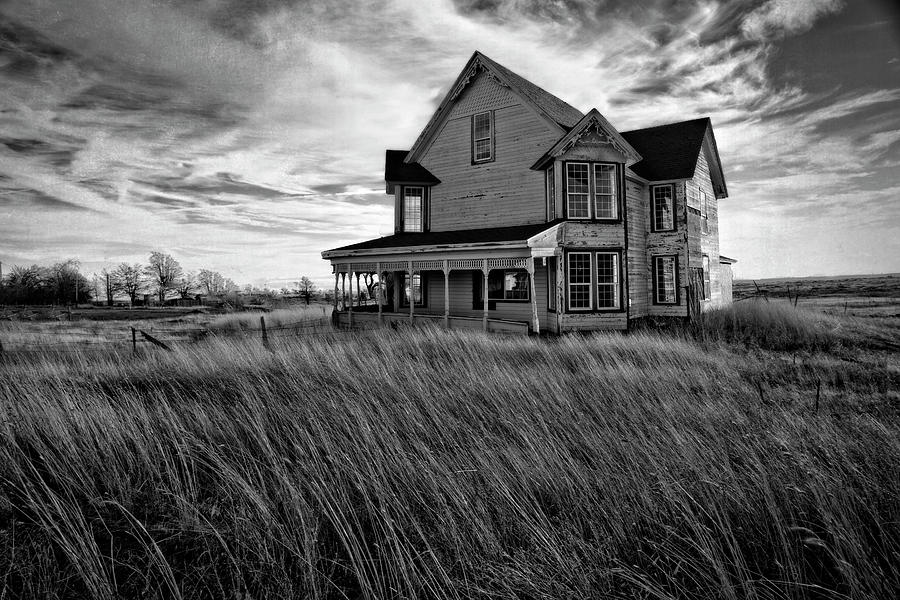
(755, 454)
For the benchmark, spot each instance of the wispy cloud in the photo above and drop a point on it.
(248, 135)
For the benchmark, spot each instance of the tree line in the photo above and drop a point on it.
(162, 276)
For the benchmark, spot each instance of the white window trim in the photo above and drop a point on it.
(404, 228)
(569, 192)
(616, 283)
(592, 191)
(490, 137)
(656, 227)
(590, 284)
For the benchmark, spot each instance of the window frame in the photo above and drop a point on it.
(707, 282)
(704, 211)
(654, 226)
(490, 137)
(592, 195)
(423, 302)
(594, 283)
(479, 295)
(675, 280)
(423, 211)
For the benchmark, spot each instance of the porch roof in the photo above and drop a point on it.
(489, 235)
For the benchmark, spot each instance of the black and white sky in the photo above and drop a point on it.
(247, 136)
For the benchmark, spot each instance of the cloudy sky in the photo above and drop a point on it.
(248, 135)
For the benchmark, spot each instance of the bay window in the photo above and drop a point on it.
(593, 280)
(592, 190)
(665, 283)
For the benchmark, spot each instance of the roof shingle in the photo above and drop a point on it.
(669, 151)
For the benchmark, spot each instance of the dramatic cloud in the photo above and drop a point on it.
(248, 136)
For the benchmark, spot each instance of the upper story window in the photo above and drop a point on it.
(483, 137)
(704, 212)
(413, 208)
(663, 207)
(592, 190)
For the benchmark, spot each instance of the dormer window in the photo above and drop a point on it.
(483, 137)
(592, 190)
(413, 208)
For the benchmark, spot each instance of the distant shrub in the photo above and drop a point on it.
(768, 325)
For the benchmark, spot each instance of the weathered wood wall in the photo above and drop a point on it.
(499, 193)
(639, 276)
(700, 243)
(668, 243)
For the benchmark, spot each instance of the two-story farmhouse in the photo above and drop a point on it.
(515, 211)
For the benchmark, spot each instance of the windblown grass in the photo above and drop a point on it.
(430, 464)
(246, 321)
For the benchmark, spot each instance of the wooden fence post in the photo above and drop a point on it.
(265, 335)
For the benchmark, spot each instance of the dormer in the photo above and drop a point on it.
(411, 184)
(585, 171)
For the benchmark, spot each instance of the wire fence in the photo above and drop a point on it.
(135, 339)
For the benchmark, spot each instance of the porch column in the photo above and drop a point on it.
(534, 311)
(336, 277)
(379, 293)
(412, 294)
(484, 292)
(343, 290)
(350, 304)
(446, 294)
(358, 297)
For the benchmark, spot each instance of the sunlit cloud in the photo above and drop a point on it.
(249, 136)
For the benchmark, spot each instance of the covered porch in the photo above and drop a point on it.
(454, 290)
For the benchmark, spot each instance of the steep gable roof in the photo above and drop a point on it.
(671, 151)
(592, 121)
(556, 111)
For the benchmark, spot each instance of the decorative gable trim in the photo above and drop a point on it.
(592, 123)
(715, 165)
(477, 65)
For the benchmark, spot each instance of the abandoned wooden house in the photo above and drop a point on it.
(513, 211)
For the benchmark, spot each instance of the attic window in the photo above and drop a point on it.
(483, 137)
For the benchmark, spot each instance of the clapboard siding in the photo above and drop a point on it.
(669, 243)
(502, 192)
(638, 215)
(707, 243)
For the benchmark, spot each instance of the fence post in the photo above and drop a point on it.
(133, 341)
(265, 335)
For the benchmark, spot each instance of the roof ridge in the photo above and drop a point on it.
(707, 119)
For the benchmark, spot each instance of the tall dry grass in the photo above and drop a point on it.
(430, 464)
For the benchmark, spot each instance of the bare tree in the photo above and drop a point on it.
(307, 288)
(164, 272)
(186, 285)
(211, 282)
(109, 284)
(128, 279)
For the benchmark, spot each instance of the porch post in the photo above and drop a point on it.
(379, 293)
(336, 276)
(446, 294)
(412, 294)
(350, 304)
(484, 292)
(358, 297)
(534, 310)
(343, 290)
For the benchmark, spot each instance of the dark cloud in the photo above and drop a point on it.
(35, 199)
(45, 151)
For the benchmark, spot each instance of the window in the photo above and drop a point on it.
(551, 194)
(664, 279)
(704, 212)
(605, 197)
(607, 280)
(483, 137)
(579, 280)
(663, 207)
(413, 208)
(510, 285)
(594, 281)
(707, 289)
(592, 190)
(577, 191)
(417, 290)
